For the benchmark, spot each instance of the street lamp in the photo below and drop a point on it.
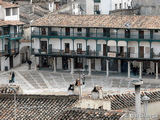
(15, 105)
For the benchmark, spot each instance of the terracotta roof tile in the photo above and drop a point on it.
(2, 23)
(108, 21)
(7, 4)
(90, 114)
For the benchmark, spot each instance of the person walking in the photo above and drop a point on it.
(10, 77)
(13, 76)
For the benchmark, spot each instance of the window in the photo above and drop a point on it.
(120, 6)
(96, 7)
(115, 6)
(79, 29)
(79, 45)
(15, 11)
(8, 12)
(156, 31)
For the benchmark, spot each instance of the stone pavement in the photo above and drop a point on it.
(48, 82)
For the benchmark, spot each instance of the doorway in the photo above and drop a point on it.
(141, 54)
(43, 45)
(67, 31)
(79, 62)
(79, 48)
(67, 46)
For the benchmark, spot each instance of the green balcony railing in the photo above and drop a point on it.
(98, 35)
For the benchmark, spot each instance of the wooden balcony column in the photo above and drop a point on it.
(89, 66)
(54, 64)
(116, 48)
(119, 66)
(61, 45)
(127, 51)
(138, 50)
(72, 66)
(35, 63)
(156, 70)
(2, 45)
(151, 50)
(140, 70)
(129, 73)
(107, 68)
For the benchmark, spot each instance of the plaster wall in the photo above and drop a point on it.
(59, 62)
(98, 64)
(94, 103)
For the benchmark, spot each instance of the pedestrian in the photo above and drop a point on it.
(10, 77)
(29, 64)
(13, 76)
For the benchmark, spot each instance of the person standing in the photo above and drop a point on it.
(13, 76)
(10, 77)
(29, 64)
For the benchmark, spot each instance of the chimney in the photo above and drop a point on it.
(145, 100)
(97, 92)
(137, 84)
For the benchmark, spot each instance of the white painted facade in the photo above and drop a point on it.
(106, 6)
(9, 13)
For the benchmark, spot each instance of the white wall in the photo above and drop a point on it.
(89, 7)
(4, 63)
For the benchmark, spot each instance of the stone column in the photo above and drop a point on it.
(129, 69)
(119, 66)
(54, 64)
(89, 66)
(107, 68)
(140, 70)
(156, 70)
(69, 64)
(35, 63)
(72, 66)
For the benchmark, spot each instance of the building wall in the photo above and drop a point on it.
(3, 12)
(153, 110)
(4, 63)
(94, 103)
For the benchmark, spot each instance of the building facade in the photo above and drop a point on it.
(104, 7)
(10, 35)
(102, 43)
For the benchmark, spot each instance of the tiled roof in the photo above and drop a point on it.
(90, 114)
(7, 4)
(119, 101)
(34, 107)
(2, 23)
(108, 21)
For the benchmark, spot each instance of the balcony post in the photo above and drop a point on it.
(156, 70)
(127, 50)
(60, 46)
(2, 46)
(35, 64)
(86, 47)
(73, 32)
(150, 50)
(54, 64)
(89, 66)
(39, 30)
(96, 48)
(140, 70)
(107, 68)
(116, 48)
(119, 66)
(73, 43)
(138, 50)
(72, 66)
(129, 69)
